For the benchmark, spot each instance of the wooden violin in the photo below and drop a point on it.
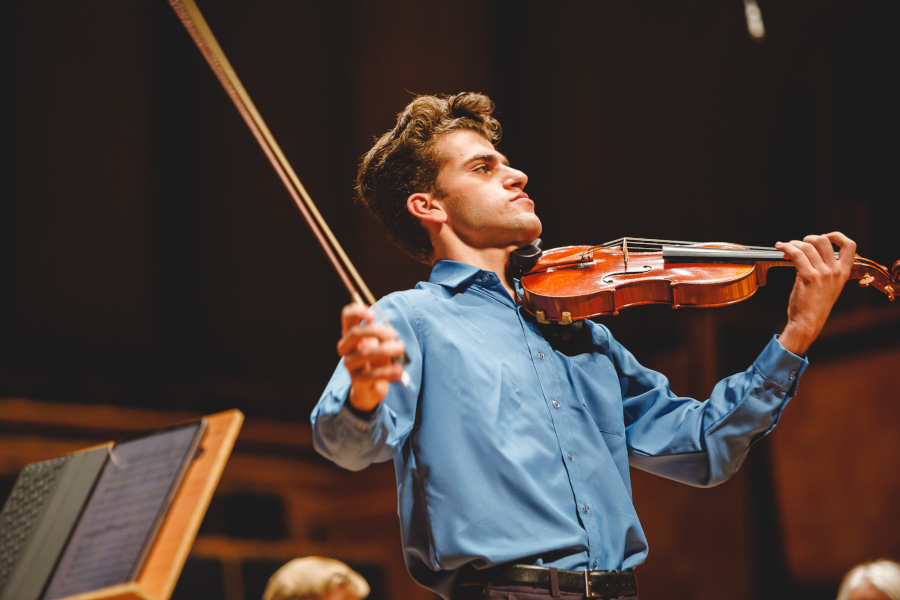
(580, 282)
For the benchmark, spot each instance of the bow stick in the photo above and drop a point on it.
(203, 37)
(197, 27)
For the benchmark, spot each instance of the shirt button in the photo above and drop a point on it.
(792, 375)
(596, 564)
(586, 509)
(555, 404)
(361, 427)
(571, 456)
(541, 355)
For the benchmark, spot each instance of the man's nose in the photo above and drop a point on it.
(516, 178)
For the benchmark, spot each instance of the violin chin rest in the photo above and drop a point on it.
(524, 259)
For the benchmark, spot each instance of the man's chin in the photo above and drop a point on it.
(532, 233)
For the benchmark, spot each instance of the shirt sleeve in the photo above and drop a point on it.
(703, 443)
(355, 441)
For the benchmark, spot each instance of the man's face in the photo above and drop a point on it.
(867, 591)
(483, 196)
(339, 593)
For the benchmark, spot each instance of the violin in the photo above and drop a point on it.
(579, 282)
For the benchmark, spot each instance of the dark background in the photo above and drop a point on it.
(149, 256)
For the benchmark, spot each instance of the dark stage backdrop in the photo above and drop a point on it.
(149, 256)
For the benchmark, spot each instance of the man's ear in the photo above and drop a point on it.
(425, 207)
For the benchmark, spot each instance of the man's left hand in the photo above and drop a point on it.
(820, 279)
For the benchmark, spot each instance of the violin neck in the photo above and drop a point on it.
(726, 255)
(763, 259)
(866, 271)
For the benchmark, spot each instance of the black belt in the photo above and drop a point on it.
(592, 584)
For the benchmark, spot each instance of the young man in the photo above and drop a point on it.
(512, 451)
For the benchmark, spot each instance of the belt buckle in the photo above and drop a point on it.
(588, 585)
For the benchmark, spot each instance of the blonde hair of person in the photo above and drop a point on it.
(314, 577)
(883, 575)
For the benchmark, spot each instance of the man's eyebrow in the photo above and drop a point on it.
(491, 158)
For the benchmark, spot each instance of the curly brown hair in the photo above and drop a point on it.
(403, 162)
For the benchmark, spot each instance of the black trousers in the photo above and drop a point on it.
(517, 592)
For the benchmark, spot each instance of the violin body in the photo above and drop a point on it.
(579, 282)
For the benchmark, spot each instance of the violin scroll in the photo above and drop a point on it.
(871, 274)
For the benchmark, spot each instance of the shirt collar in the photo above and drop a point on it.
(450, 273)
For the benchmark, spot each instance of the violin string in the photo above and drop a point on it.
(743, 246)
(654, 245)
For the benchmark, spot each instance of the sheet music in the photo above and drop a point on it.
(126, 507)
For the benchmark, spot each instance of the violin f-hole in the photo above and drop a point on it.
(644, 269)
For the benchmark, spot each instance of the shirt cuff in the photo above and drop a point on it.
(779, 366)
(358, 419)
(365, 415)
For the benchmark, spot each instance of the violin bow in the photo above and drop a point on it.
(203, 37)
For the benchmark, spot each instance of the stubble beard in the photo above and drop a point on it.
(518, 230)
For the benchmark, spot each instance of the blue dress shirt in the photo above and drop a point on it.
(506, 449)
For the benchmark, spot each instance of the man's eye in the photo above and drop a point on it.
(481, 169)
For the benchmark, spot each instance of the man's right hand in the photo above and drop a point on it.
(369, 350)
